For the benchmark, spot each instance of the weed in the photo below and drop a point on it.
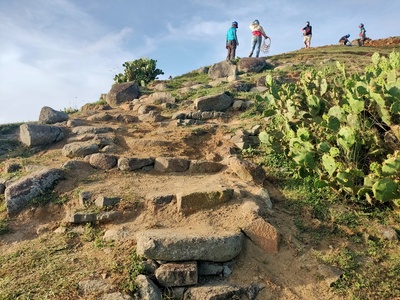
(4, 226)
(131, 270)
(48, 197)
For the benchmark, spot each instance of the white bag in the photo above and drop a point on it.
(265, 46)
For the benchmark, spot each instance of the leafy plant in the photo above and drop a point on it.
(335, 126)
(142, 71)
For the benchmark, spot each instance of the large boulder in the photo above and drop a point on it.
(37, 134)
(252, 64)
(122, 92)
(222, 69)
(20, 193)
(51, 116)
(218, 102)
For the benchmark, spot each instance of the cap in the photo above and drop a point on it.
(348, 35)
(256, 21)
(234, 23)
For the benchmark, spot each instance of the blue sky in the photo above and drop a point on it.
(65, 53)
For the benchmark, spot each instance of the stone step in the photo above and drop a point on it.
(180, 244)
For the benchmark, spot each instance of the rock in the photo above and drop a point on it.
(116, 296)
(133, 163)
(162, 200)
(246, 170)
(189, 245)
(51, 116)
(147, 290)
(263, 234)
(122, 92)
(20, 193)
(88, 287)
(103, 161)
(201, 166)
(222, 69)
(210, 269)
(161, 97)
(196, 201)
(80, 217)
(90, 129)
(102, 117)
(213, 292)
(171, 164)
(177, 274)
(107, 201)
(84, 198)
(75, 123)
(37, 135)
(79, 149)
(252, 64)
(218, 102)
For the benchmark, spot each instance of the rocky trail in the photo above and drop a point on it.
(166, 180)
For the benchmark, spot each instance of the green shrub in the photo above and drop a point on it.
(142, 71)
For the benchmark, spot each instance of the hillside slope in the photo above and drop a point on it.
(44, 256)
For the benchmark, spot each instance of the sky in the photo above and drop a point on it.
(65, 53)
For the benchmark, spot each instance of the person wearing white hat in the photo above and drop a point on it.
(258, 33)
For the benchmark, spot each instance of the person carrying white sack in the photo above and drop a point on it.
(257, 34)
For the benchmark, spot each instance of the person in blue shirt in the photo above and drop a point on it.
(232, 41)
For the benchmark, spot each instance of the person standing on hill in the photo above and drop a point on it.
(257, 34)
(307, 34)
(362, 34)
(344, 40)
(232, 41)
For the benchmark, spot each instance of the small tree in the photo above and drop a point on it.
(142, 71)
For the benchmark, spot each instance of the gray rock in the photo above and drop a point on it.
(37, 134)
(133, 163)
(20, 193)
(84, 198)
(192, 202)
(162, 200)
(78, 149)
(246, 170)
(147, 289)
(51, 116)
(201, 166)
(213, 292)
(171, 164)
(80, 217)
(75, 123)
(218, 102)
(115, 296)
(103, 201)
(207, 268)
(161, 97)
(88, 287)
(222, 69)
(122, 92)
(103, 161)
(175, 245)
(251, 64)
(177, 274)
(90, 129)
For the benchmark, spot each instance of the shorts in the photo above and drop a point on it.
(307, 38)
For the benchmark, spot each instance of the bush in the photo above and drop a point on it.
(142, 71)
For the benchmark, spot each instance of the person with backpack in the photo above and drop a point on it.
(307, 34)
(232, 41)
(344, 40)
(257, 34)
(362, 34)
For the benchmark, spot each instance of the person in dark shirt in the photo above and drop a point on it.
(307, 34)
(344, 40)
